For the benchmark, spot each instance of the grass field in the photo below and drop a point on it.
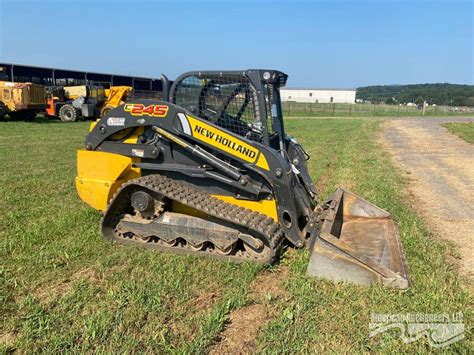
(463, 130)
(63, 288)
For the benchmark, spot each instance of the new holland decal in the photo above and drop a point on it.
(150, 110)
(222, 140)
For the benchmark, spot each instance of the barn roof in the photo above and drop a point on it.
(318, 89)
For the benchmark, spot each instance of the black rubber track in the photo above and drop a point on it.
(257, 224)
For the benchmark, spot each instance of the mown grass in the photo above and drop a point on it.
(63, 288)
(332, 317)
(462, 130)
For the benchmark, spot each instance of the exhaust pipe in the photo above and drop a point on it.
(165, 84)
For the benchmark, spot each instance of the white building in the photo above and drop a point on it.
(318, 95)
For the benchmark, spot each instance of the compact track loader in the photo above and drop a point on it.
(209, 170)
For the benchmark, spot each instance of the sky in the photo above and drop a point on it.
(336, 44)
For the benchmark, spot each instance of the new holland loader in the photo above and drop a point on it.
(210, 171)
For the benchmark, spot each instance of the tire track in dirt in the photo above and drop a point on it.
(442, 177)
(241, 331)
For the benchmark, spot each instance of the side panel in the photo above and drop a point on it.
(267, 207)
(37, 95)
(73, 92)
(223, 141)
(100, 174)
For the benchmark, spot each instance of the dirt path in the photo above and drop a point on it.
(442, 171)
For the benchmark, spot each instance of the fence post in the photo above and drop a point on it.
(350, 110)
(398, 113)
(373, 114)
(289, 108)
(333, 108)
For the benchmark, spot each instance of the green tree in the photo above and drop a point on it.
(470, 101)
(459, 100)
(440, 94)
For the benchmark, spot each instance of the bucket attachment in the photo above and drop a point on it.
(358, 242)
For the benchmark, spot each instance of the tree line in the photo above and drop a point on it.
(439, 94)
